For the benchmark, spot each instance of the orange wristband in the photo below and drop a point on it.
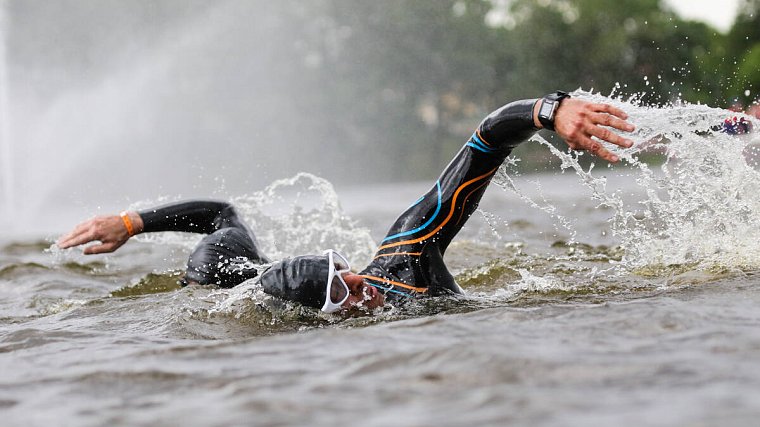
(127, 223)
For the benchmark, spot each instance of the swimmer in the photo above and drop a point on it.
(734, 126)
(409, 260)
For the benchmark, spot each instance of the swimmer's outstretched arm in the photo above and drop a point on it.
(412, 252)
(576, 122)
(112, 231)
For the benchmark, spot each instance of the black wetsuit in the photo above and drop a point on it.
(409, 260)
(229, 239)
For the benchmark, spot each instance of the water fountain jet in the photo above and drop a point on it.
(6, 165)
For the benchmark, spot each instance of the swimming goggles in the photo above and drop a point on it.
(337, 290)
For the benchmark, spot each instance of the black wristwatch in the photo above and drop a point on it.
(548, 108)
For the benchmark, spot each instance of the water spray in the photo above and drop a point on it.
(700, 206)
(6, 165)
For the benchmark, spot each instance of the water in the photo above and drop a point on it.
(621, 296)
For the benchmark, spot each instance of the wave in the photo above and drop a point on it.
(152, 283)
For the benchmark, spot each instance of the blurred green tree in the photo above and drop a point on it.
(637, 47)
(742, 70)
(410, 79)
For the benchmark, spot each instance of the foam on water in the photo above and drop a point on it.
(302, 215)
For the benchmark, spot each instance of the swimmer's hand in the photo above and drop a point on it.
(577, 121)
(110, 231)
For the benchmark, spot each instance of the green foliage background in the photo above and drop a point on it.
(352, 90)
(429, 71)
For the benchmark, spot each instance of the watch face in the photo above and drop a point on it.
(546, 109)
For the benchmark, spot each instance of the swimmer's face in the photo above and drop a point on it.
(361, 295)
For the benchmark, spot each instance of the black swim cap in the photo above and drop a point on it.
(302, 279)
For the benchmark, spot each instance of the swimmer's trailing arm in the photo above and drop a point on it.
(112, 231)
(198, 216)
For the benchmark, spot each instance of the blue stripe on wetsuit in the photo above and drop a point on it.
(389, 289)
(423, 226)
(477, 144)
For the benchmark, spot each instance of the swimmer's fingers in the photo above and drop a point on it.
(609, 109)
(79, 235)
(102, 248)
(607, 135)
(595, 147)
(612, 121)
(109, 230)
(577, 121)
(613, 117)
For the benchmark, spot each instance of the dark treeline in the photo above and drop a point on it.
(413, 78)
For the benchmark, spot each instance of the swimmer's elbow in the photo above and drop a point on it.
(509, 125)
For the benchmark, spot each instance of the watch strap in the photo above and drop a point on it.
(548, 108)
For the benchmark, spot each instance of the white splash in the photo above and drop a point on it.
(700, 206)
(302, 215)
(294, 216)
(531, 283)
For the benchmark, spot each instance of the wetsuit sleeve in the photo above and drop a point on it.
(191, 216)
(410, 257)
(510, 125)
(213, 261)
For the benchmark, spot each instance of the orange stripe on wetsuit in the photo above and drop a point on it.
(399, 253)
(464, 203)
(481, 138)
(445, 221)
(391, 282)
(408, 272)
